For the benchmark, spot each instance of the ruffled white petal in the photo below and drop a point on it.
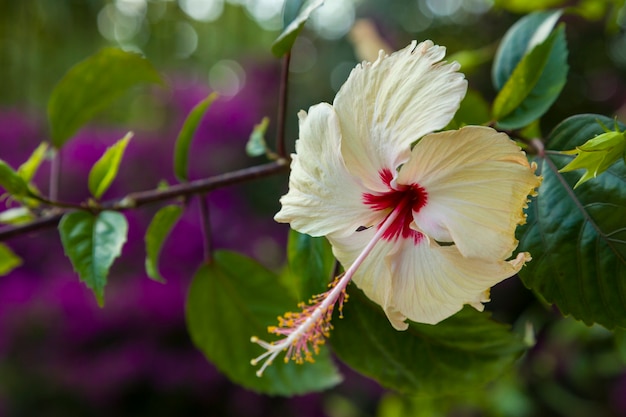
(431, 282)
(323, 196)
(385, 106)
(477, 182)
(425, 283)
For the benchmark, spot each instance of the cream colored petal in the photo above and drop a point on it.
(431, 282)
(478, 182)
(372, 277)
(323, 196)
(385, 106)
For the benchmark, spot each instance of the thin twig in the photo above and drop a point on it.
(138, 199)
(55, 175)
(282, 107)
(205, 221)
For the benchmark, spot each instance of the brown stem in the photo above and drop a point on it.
(282, 107)
(205, 221)
(138, 199)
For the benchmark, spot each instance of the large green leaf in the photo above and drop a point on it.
(577, 238)
(231, 300)
(92, 242)
(183, 142)
(311, 264)
(535, 83)
(519, 40)
(285, 40)
(463, 351)
(92, 85)
(105, 169)
(8, 260)
(160, 227)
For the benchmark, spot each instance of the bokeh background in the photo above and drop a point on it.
(62, 355)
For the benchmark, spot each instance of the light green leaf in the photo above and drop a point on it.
(577, 238)
(474, 110)
(105, 169)
(286, 39)
(256, 145)
(92, 242)
(465, 350)
(16, 215)
(11, 181)
(519, 40)
(231, 300)
(29, 168)
(596, 155)
(527, 6)
(160, 227)
(311, 264)
(91, 86)
(8, 260)
(534, 85)
(183, 142)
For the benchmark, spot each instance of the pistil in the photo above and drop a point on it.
(312, 325)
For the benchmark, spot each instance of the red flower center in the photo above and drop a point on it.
(408, 198)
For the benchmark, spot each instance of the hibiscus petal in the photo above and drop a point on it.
(431, 282)
(425, 283)
(477, 181)
(385, 106)
(323, 196)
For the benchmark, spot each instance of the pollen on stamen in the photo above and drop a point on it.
(304, 331)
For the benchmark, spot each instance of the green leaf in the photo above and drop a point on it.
(92, 242)
(29, 168)
(16, 215)
(231, 300)
(311, 264)
(465, 350)
(286, 39)
(519, 40)
(256, 145)
(578, 237)
(91, 86)
(183, 142)
(105, 169)
(8, 260)
(527, 6)
(11, 181)
(160, 227)
(535, 83)
(474, 110)
(596, 155)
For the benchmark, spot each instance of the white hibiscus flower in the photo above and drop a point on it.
(421, 230)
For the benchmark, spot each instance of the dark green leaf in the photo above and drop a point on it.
(311, 264)
(465, 350)
(105, 169)
(519, 40)
(8, 260)
(535, 83)
(160, 227)
(11, 180)
(256, 145)
(92, 242)
(233, 299)
(183, 142)
(578, 237)
(29, 168)
(92, 85)
(285, 40)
